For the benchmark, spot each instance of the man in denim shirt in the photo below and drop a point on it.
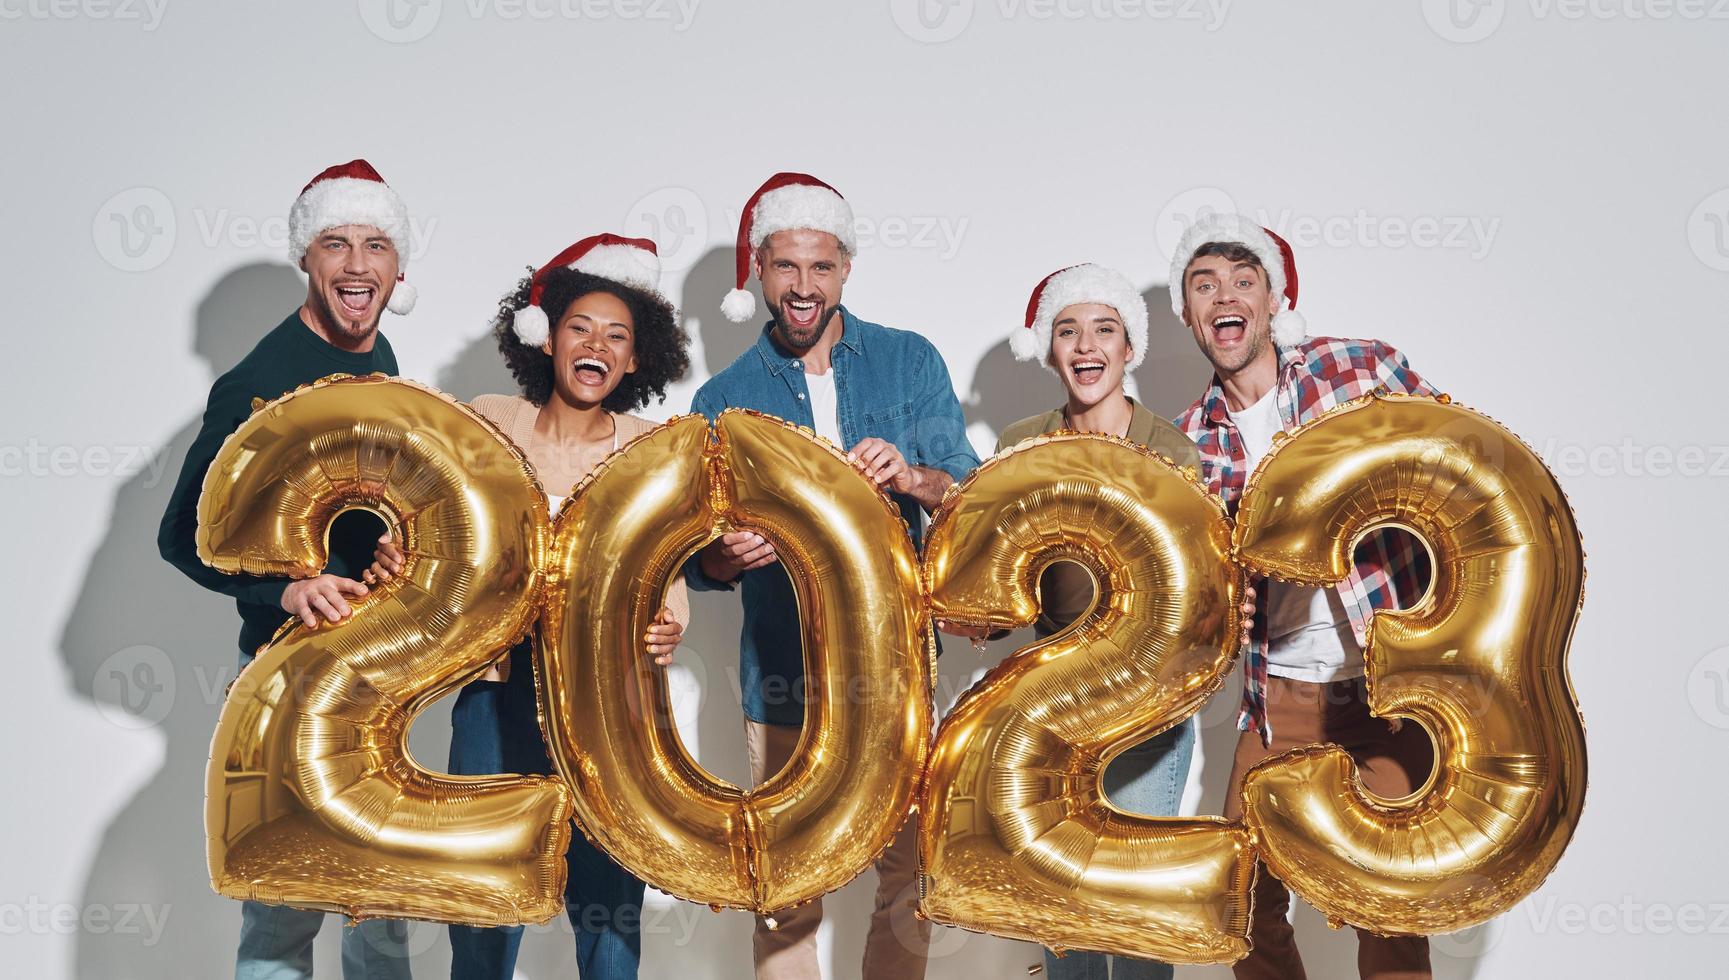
(884, 396)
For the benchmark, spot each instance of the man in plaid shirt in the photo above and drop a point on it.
(1303, 676)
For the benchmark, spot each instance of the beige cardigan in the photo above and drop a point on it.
(515, 415)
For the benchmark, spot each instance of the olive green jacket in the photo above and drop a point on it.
(1066, 589)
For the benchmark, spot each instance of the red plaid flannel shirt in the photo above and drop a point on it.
(1318, 374)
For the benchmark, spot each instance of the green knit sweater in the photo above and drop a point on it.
(289, 356)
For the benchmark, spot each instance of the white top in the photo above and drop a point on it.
(824, 407)
(1309, 634)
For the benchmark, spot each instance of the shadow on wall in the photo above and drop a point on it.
(152, 650)
(1171, 376)
(705, 285)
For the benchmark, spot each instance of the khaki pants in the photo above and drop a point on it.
(1392, 765)
(898, 940)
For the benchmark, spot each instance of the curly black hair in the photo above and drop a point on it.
(660, 341)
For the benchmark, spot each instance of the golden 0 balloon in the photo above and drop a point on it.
(1480, 662)
(639, 795)
(1018, 839)
(312, 799)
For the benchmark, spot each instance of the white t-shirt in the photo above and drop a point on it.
(824, 408)
(1309, 634)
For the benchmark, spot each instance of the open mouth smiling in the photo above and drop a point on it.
(356, 298)
(1088, 370)
(589, 371)
(1230, 328)
(802, 312)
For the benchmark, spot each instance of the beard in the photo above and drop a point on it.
(344, 325)
(801, 338)
(1241, 356)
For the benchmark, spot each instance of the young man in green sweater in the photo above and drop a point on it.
(350, 234)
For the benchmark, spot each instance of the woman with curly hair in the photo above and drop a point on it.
(590, 339)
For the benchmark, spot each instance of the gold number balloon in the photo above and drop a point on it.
(639, 795)
(312, 799)
(1480, 662)
(1018, 838)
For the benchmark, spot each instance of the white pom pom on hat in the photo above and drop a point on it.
(353, 193)
(631, 261)
(784, 202)
(1084, 283)
(1289, 326)
(403, 296)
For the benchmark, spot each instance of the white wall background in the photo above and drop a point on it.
(1528, 196)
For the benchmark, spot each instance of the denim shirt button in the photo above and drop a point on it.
(801, 396)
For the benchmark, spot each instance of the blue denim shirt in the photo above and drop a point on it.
(890, 384)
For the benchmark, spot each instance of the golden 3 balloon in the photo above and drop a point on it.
(639, 795)
(312, 799)
(1480, 662)
(1018, 838)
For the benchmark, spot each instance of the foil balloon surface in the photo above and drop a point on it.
(1480, 662)
(1018, 838)
(640, 796)
(312, 799)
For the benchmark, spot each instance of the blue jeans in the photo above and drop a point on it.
(276, 944)
(494, 729)
(276, 941)
(1147, 778)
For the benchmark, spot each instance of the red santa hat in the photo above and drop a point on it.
(1084, 283)
(1276, 257)
(631, 261)
(352, 193)
(785, 202)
